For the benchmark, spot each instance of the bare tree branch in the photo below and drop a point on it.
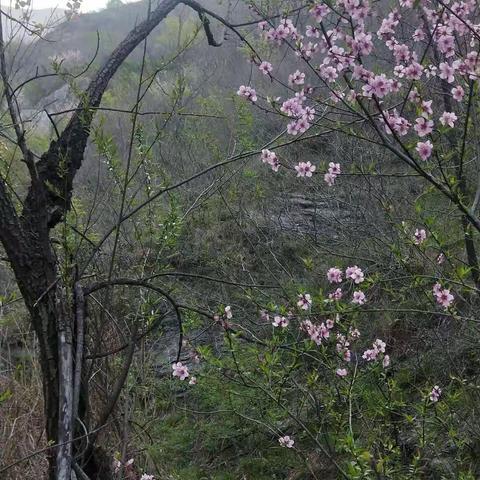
(13, 107)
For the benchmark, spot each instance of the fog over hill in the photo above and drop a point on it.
(90, 38)
(43, 16)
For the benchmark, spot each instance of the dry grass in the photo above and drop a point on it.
(21, 412)
(22, 430)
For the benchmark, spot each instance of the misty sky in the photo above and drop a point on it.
(87, 5)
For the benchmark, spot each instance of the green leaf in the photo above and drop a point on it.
(5, 396)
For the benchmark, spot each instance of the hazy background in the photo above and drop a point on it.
(87, 5)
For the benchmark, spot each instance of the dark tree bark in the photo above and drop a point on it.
(33, 262)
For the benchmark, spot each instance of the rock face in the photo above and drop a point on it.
(317, 216)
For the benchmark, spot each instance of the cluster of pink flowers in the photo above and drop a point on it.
(343, 349)
(304, 301)
(458, 93)
(442, 295)
(434, 52)
(266, 68)
(305, 169)
(317, 333)
(359, 297)
(355, 273)
(395, 123)
(247, 92)
(293, 107)
(336, 295)
(339, 52)
(435, 394)
(285, 30)
(286, 441)
(424, 149)
(298, 126)
(319, 11)
(302, 115)
(307, 50)
(420, 236)
(423, 126)
(378, 85)
(180, 370)
(334, 275)
(270, 158)
(280, 321)
(296, 78)
(376, 351)
(448, 118)
(333, 172)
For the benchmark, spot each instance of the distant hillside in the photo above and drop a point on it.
(90, 38)
(74, 43)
